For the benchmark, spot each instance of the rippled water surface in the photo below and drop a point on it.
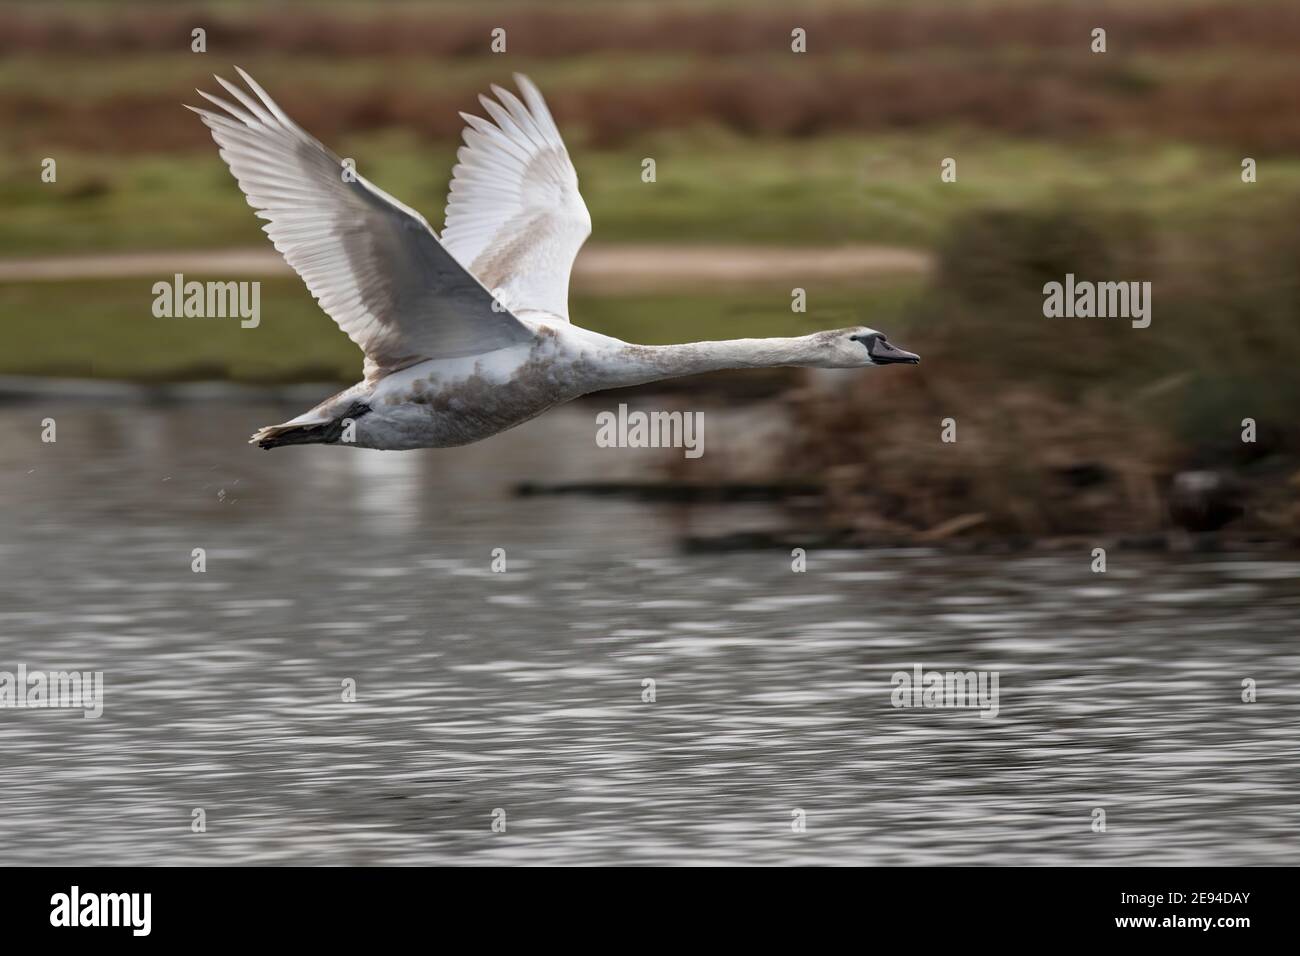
(522, 691)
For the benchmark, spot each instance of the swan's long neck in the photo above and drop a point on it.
(625, 364)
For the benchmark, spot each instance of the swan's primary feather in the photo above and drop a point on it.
(515, 217)
(374, 264)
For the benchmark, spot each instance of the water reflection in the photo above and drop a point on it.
(523, 690)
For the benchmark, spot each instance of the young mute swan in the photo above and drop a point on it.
(448, 362)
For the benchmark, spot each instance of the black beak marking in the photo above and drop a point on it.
(882, 353)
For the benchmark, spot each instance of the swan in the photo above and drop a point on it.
(465, 334)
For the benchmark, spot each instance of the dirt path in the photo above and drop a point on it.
(598, 269)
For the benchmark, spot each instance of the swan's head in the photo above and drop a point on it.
(861, 347)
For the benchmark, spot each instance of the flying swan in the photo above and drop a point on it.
(465, 334)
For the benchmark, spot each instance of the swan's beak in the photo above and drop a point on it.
(882, 353)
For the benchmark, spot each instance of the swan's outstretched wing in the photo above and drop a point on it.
(515, 217)
(373, 264)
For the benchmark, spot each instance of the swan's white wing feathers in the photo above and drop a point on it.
(515, 217)
(372, 263)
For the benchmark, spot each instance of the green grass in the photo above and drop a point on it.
(711, 187)
(107, 329)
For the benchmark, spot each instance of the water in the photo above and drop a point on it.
(522, 691)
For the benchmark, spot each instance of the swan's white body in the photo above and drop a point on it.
(448, 362)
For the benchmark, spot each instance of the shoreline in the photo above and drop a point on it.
(965, 533)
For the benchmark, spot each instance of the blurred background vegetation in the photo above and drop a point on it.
(1117, 166)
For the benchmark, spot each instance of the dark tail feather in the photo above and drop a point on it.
(318, 433)
(276, 435)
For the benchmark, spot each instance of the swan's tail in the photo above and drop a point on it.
(311, 428)
(329, 423)
(273, 436)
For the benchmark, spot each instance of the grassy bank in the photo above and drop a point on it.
(711, 186)
(107, 329)
(753, 142)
